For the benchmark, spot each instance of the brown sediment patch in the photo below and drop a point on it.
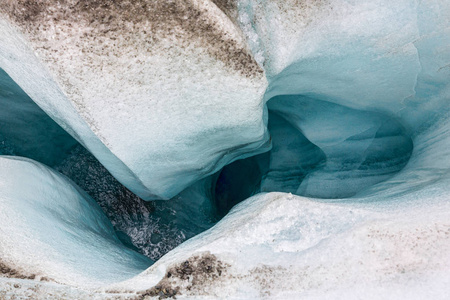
(7, 271)
(229, 7)
(189, 277)
(10, 272)
(140, 24)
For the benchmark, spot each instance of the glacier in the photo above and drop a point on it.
(302, 148)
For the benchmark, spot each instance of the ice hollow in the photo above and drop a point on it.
(346, 88)
(319, 149)
(361, 148)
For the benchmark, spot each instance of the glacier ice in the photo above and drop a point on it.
(25, 130)
(50, 228)
(138, 99)
(371, 78)
(355, 96)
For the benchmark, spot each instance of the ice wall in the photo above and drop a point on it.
(26, 130)
(360, 148)
(51, 230)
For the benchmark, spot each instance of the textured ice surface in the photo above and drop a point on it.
(356, 86)
(162, 93)
(52, 230)
(150, 227)
(382, 68)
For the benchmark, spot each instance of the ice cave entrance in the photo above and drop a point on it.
(320, 149)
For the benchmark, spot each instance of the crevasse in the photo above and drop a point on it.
(348, 113)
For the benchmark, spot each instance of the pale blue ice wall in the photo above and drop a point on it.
(26, 130)
(361, 147)
(361, 80)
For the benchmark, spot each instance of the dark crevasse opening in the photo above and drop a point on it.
(238, 181)
(282, 169)
(150, 227)
(319, 149)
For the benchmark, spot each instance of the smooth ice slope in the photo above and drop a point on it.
(50, 228)
(163, 93)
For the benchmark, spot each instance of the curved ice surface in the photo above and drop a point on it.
(383, 66)
(350, 54)
(360, 148)
(51, 229)
(161, 105)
